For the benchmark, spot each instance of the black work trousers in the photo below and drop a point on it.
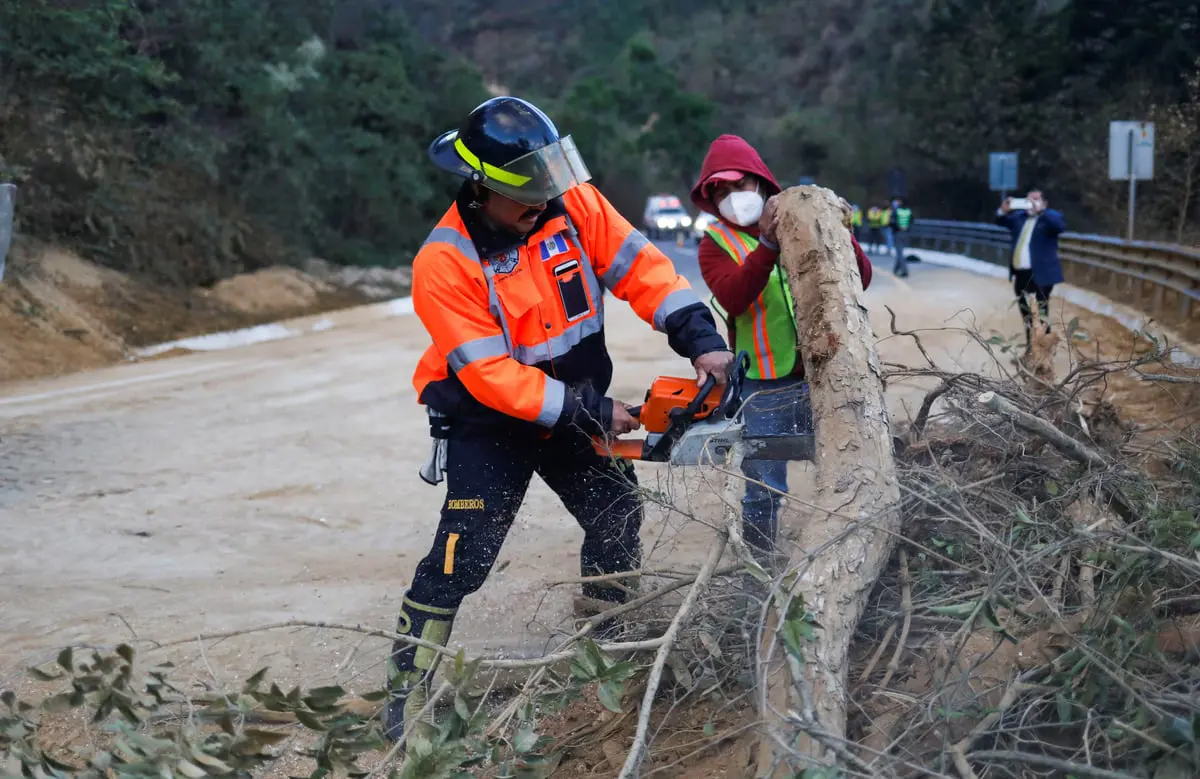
(1023, 286)
(487, 475)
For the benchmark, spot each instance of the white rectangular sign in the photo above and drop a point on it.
(1127, 137)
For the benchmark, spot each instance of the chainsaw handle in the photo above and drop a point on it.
(693, 408)
(731, 400)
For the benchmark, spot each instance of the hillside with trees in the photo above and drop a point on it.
(191, 140)
(844, 90)
(194, 139)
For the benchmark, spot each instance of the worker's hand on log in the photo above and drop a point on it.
(622, 421)
(716, 364)
(769, 219)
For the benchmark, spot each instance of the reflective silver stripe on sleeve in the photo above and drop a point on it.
(478, 349)
(623, 260)
(495, 309)
(553, 401)
(456, 239)
(681, 298)
(595, 286)
(559, 344)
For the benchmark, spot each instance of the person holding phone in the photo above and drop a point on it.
(1034, 268)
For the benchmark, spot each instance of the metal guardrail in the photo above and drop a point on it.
(1162, 278)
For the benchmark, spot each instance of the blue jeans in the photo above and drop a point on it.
(899, 242)
(780, 407)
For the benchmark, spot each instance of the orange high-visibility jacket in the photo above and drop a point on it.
(517, 323)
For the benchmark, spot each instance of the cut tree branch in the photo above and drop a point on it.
(1023, 419)
(1168, 378)
(906, 607)
(1079, 769)
(492, 663)
(637, 752)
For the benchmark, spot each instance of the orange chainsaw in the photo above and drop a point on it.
(688, 424)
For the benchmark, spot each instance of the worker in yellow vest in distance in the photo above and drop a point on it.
(874, 229)
(856, 222)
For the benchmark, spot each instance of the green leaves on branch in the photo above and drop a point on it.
(590, 664)
(799, 628)
(103, 684)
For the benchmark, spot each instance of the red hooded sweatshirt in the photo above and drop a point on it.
(737, 286)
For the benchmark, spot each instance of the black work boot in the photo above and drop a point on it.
(410, 667)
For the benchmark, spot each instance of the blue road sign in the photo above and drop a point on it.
(1002, 171)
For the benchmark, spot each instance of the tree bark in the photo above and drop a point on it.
(852, 534)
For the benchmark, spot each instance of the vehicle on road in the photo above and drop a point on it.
(700, 225)
(665, 217)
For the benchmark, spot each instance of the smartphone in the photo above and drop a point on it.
(1020, 204)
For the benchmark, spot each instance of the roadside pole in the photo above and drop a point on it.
(8, 197)
(1132, 189)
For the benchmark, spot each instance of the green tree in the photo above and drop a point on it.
(987, 78)
(636, 127)
(191, 140)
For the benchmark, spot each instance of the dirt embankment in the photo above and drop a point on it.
(60, 313)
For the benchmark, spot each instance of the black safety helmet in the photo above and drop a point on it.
(509, 146)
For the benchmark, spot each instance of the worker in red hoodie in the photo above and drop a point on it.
(739, 261)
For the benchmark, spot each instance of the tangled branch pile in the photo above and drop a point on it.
(1041, 618)
(1047, 591)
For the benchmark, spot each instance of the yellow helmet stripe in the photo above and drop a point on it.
(488, 170)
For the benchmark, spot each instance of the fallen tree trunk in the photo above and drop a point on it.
(850, 537)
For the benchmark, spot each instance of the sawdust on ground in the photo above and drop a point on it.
(705, 738)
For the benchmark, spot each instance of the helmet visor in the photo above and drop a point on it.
(536, 177)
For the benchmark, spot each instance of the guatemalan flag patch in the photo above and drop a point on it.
(555, 244)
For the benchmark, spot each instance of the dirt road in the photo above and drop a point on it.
(221, 491)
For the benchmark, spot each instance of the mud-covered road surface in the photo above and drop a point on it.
(226, 490)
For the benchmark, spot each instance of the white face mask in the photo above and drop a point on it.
(742, 208)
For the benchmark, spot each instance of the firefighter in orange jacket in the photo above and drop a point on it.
(510, 285)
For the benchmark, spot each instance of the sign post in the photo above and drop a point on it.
(1002, 172)
(1131, 156)
(8, 196)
